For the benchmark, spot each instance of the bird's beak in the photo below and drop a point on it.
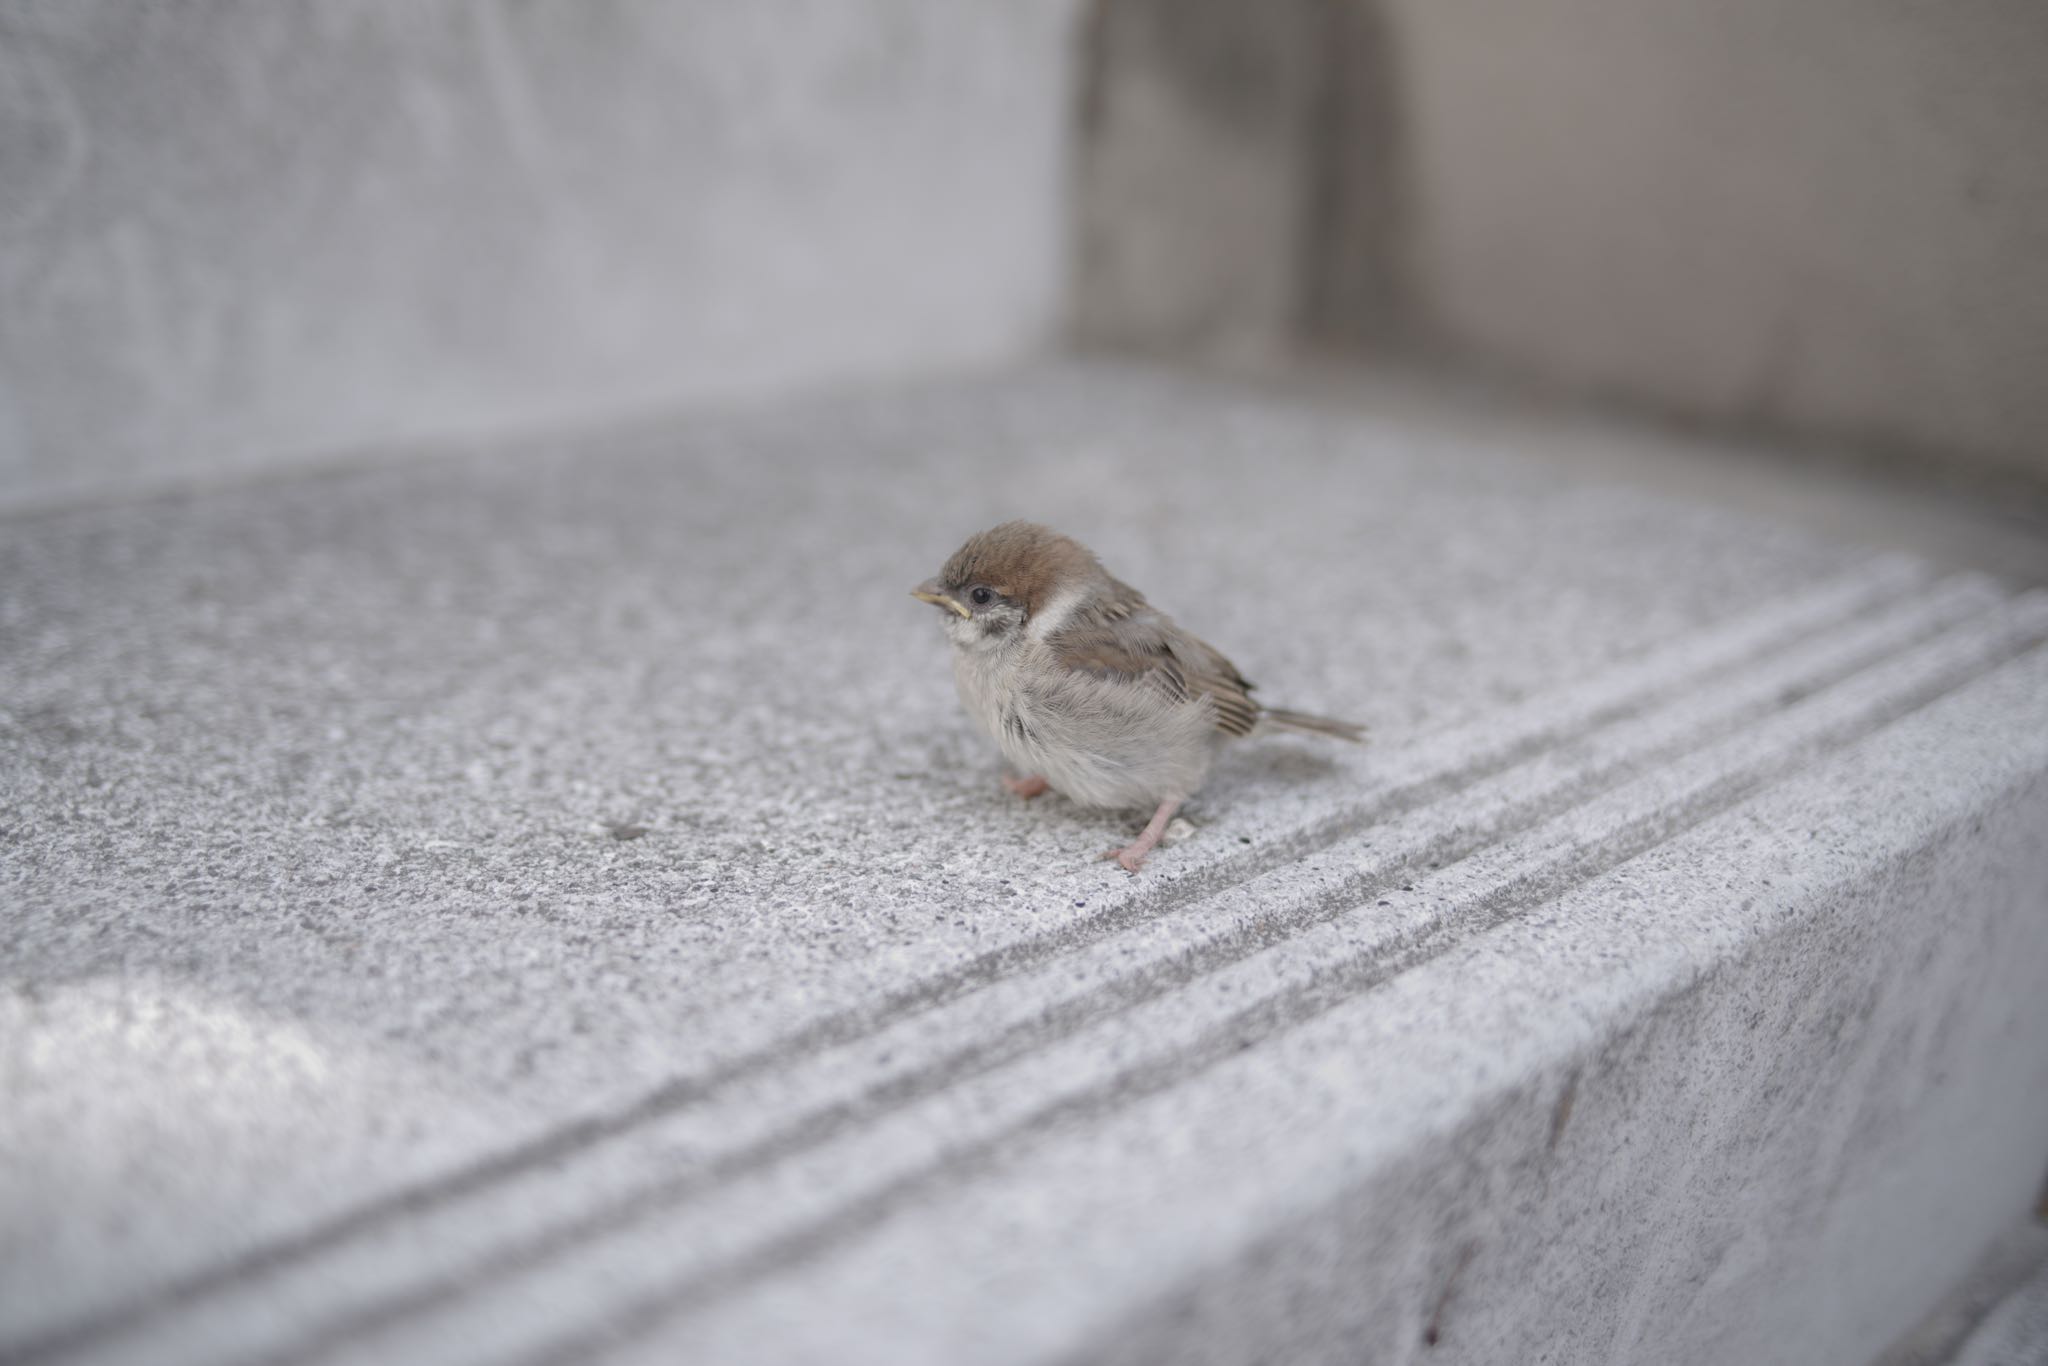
(929, 591)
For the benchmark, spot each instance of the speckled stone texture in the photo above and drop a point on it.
(548, 905)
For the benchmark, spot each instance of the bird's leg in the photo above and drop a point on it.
(1027, 788)
(1132, 856)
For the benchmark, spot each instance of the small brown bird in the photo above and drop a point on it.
(1085, 686)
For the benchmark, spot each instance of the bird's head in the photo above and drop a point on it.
(994, 584)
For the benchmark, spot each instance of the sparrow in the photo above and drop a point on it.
(1086, 687)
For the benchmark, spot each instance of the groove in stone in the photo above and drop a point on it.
(1874, 703)
(1628, 690)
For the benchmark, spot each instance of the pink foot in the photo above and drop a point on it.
(1027, 788)
(1132, 856)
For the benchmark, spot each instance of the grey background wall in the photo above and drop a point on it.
(1823, 216)
(1820, 218)
(246, 233)
(242, 234)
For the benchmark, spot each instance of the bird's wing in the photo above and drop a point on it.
(1139, 645)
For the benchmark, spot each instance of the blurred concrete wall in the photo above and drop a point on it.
(1829, 216)
(1239, 171)
(244, 232)
(238, 234)
(1196, 127)
(1823, 217)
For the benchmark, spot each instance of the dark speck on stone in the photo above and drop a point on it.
(1244, 839)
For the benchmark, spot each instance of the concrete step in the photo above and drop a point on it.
(2015, 1333)
(549, 908)
(1995, 1314)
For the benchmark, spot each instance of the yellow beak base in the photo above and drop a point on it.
(939, 600)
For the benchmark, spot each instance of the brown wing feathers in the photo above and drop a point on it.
(1222, 684)
(1143, 646)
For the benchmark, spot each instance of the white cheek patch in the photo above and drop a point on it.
(1057, 612)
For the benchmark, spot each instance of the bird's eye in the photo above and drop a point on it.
(982, 597)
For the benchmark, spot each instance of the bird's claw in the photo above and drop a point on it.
(1128, 858)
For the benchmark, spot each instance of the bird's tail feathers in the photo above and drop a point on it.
(1281, 719)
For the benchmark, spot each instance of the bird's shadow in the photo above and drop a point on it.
(968, 789)
(1244, 775)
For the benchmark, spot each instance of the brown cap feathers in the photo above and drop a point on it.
(1021, 560)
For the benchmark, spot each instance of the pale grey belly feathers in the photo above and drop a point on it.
(1100, 742)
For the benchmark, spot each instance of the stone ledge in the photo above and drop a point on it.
(2014, 1332)
(1610, 1015)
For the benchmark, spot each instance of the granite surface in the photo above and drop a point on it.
(547, 903)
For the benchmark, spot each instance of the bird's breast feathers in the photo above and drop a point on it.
(1102, 740)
